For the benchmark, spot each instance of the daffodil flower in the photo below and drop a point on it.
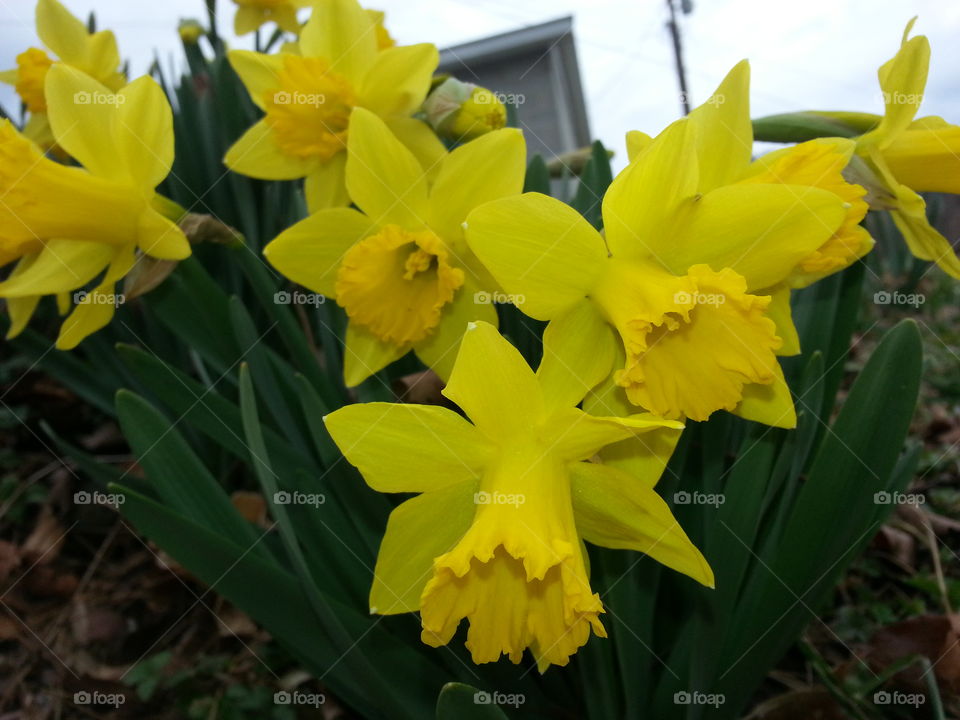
(678, 274)
(252, 14)
(67, 226)
(907, 155)
(67, 38)
(401, 268)
(309, 98)
(505, 501)
(725, 138)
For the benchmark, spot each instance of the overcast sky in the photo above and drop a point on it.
(813, 54)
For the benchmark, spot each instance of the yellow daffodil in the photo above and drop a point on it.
(724, 132)
(678, 274)
(505, 501)
(66, 226)
(401, 268)
(463, 111)
(309, 98)
(252, 14)
(905, 156)
(67, 38)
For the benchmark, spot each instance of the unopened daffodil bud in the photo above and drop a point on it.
(191, 31)
(464, 111)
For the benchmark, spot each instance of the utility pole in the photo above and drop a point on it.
(678, 51)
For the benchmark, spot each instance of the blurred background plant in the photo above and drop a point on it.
(206, 592)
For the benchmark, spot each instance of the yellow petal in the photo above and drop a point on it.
(761, 231)
(488, 168)
(642, 200)
(82, 121)
(539, 249)
(247, 19)
(724, 134)
(922, 239)
(142, 133)
(62, 32)
(418, 531)
(566, 372)
(399, 79)
(326, 187)
(617, 511)
(902, 80)
(286, 19)
(365, 354)
(103, 59)
(92, 313)
(421, 140)
(637, 142)
(161, 238)
(310, 252)
(439, 350)
(408, 448)
(341, 31)
(780, 312)
(926, 159)
(769, 404)
(493, 385)
(61, 266)
(384, 179)
(257, 155)
(575, 435)
(257, 71)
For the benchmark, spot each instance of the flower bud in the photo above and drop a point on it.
(191, 31)
(463, 111)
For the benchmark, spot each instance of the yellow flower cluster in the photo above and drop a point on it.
(678, 308)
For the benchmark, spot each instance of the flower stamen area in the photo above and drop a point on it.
(396, 282)
(309, 111)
